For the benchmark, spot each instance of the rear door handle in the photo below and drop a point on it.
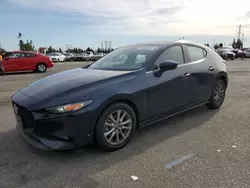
(186, 75)
(211, 68)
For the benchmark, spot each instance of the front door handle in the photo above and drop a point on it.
(211, 68)
(186, 75)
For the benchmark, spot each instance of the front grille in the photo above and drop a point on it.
(27, 117)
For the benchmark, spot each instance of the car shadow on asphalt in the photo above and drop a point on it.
(17, 157)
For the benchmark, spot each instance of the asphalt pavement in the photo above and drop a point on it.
(199, 149)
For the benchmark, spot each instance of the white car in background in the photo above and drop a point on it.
(57, 57)
(247, 52)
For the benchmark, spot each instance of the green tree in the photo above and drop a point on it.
(80, 50)
(234, 44)
(21, 45)
(49, 50)
(220, 45)
(2, 50)
(239, 43)
(75, 50)
(216, 46)
(26, 46)
(60, 50)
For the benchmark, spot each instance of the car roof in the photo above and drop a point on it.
(167, 43)
(27, 52)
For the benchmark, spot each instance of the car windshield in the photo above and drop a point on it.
(125, 58)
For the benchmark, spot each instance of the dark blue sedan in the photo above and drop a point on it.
(129, 88)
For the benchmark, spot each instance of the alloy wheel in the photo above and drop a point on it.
(219, 93)
(117, 127)
(41, 68)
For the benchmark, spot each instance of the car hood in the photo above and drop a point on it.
(65, 81)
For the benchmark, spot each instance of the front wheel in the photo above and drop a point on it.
(115, 127)
(218, 95)
(41, 68)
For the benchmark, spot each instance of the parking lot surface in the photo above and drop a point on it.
(201, 148)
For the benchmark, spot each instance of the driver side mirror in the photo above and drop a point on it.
(165, 66)
(6, 59)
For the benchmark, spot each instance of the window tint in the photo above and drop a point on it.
(17, 55)
(30, 55)
(195, 53)
(174, 53)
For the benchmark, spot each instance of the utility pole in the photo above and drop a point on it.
(242, 39)
(239, 32)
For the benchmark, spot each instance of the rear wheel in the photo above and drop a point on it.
(218, 95)
(41, 67)
(115, 127)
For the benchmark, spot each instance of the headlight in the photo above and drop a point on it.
(69, 107)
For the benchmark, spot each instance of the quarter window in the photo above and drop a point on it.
(196, 53)
(173, 53)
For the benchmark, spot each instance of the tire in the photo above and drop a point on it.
(107, 143)
(2, 73)
(219, 90)
(41, 68)
(232, 58)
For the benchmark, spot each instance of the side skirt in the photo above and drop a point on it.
(161, 118)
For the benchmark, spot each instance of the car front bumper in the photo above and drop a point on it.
(58, 133)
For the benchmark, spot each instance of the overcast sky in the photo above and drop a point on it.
(83, 23)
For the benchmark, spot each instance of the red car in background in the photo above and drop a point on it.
(26, 61)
